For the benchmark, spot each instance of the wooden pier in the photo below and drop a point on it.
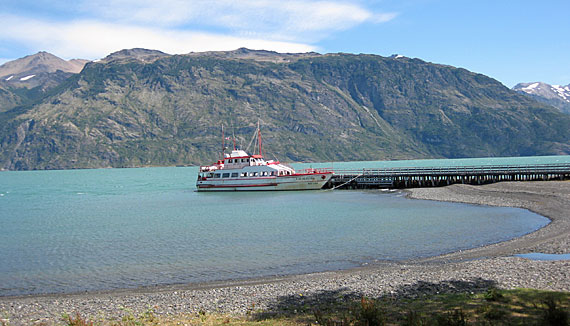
(442, 176)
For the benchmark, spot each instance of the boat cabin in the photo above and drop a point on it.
(238, 164)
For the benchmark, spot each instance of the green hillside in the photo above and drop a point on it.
(167, 110)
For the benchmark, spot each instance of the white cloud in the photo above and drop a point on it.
(290, 20)
(93, 39)
(182, 26)
(164, 12)
(383, 17)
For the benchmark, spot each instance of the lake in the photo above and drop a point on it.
(79, 230)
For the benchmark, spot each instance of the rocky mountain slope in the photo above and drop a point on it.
(137, 54)
(555, 95)
(29, 78)
(159, 109)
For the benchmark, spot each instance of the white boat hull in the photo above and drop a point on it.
(311, 181)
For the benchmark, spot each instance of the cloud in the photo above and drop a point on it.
(285, 20)
(94, 28)
(93, 39)
(384, 17)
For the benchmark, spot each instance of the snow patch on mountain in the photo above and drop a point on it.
(562, 92)
(27, 77)
(530, 87)
(545, 90)
(555, 95)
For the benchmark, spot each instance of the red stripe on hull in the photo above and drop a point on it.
(238, 186)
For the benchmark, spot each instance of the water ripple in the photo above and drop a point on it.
(66, 231)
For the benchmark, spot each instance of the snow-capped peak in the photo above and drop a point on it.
(555, 95)
(545, 90)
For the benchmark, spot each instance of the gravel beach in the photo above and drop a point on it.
(466, 271)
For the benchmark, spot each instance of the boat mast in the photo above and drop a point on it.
(223, 145)
(259, 137)
(234, 136)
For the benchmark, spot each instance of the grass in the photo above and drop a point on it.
(491, 307)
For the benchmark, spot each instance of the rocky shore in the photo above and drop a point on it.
(467, 271)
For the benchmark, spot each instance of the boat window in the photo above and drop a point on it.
(244, 174)
(264, 173)
(253, 174)
(210, 175)
(216, 175)
(230, 161)
(273, 173)
(243, 160)
(234, 175)
(225, 175)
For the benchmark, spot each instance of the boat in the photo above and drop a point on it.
(240, 171)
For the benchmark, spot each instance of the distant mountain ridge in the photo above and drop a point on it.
(41, 62)
(29, 78)
(555, 95)
(142, 107)
(134, 54)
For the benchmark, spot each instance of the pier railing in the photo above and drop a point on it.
(403, 177)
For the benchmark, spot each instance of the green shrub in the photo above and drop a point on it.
(493, 294)
(554, 314)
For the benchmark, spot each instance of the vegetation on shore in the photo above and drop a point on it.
(493, 307)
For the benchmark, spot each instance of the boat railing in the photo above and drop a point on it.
(314, 170)
(458, 170)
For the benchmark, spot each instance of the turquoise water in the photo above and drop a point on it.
(542, 256)
(77, 230)
(529, 160)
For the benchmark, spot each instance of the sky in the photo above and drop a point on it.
(511, 41)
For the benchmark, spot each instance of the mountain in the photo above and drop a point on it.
(555, 95)
(29, 78)
(164, 109)
(257, 55)
(39, 63)
(137, 54)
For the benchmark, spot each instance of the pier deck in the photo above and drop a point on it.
(441, 176)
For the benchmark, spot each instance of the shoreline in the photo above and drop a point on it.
(465, 271)
(550, 199)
